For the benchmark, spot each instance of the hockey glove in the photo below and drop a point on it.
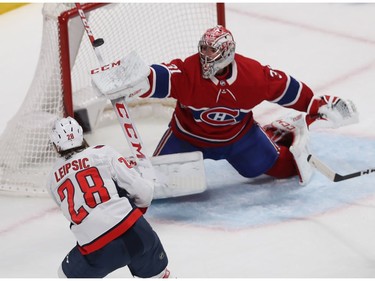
(127, 78)
(333, 111)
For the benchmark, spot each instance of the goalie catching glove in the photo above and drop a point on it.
(126, 78)
(334, 112)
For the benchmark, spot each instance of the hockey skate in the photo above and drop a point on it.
(293, 129)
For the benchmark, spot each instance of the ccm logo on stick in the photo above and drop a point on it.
(129, 130)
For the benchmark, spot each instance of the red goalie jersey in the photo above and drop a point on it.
(218, 111)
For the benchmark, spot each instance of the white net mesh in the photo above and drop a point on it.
(158, 32)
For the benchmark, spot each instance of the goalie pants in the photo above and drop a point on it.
(253, 155)
(139, 248)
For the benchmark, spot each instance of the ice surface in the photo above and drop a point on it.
(238, 227)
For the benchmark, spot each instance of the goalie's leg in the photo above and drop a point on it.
(277, 152)
(170, 144)
(284, 166)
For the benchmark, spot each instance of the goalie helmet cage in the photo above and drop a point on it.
(61, 86)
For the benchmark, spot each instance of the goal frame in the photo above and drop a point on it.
(63, 21)
(62, 86)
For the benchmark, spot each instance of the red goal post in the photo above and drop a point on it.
(62, 86)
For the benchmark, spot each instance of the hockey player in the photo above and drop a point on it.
(216, 90)
(104, 198)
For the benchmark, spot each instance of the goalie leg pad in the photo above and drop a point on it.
(293, 129)
(300, 151)
(179, 174)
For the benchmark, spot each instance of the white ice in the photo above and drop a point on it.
(238, 227)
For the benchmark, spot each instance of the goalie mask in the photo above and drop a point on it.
(216, 50)
(66, 134)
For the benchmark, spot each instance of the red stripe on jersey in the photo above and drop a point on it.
(112, 234)
(162, 142)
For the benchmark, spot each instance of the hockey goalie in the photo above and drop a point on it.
(216, 90)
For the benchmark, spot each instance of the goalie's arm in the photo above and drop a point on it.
(330, 111)
(163, 78)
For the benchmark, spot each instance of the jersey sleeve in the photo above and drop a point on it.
(287, 91)
(139, 189)
(164, 78)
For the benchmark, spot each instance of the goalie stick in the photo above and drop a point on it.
(332, 175)
(180, 174)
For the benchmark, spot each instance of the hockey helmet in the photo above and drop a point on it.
(216, 49)
(66, 134)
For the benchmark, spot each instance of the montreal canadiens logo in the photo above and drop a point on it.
(220, 116)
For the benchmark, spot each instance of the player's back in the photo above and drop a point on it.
(84, 189)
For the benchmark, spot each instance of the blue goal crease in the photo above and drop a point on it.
(232, 202)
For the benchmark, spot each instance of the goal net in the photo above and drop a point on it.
(62, 86)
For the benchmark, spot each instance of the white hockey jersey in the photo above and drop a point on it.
(84, 188)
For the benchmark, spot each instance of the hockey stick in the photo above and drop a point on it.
(121, 109)
(182, 173)
(94, 42)
(330, 174)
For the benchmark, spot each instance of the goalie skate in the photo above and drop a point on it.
(296, 125)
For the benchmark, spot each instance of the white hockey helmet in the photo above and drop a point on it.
(216, 49)
(66, 134)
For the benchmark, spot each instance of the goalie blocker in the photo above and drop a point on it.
(124, 78)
